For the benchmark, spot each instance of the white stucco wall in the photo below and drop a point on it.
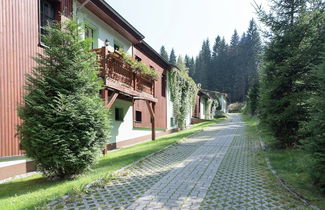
(170, 112)
(189, 117)
(202, 108)
(120, 130)
(223, 102)
(124, 130)
(103, 30)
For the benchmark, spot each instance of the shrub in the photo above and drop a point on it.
(65, 124)
(314, 143)
(252, 99)
(235, 107)
(139, 66)
(183, 91)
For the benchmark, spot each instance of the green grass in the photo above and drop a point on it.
(290, 164)
(6, 159)
(35, 191)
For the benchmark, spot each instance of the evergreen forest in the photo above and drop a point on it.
(226, 67)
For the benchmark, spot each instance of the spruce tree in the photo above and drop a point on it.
(253, 98)
(187, 61)
(315, 128)
(172, 57)
(164, 53)
(234, 76)
(286, 78)
(65, 124)
(192, 67)
(230, 68)
(234, 40)
(203, 65)
(252, 52)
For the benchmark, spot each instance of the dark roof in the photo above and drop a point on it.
(141, 45)
(151, 53)
(118, 18)
(203, 93)
(212, 94)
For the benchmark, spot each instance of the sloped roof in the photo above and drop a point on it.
(213, 94)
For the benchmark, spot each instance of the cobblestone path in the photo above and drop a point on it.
(243, 181)
(216, 168)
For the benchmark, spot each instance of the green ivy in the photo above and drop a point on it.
(139, 66)
(183, 91)
(210, 108)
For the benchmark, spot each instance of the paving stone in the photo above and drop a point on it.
(214, 169)
(247, 183)
(193, 172)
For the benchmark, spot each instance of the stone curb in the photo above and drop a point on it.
(282, 182)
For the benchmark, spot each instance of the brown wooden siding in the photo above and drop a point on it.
(121, 76)
(19, 41)
(160, 107)
(197, 107)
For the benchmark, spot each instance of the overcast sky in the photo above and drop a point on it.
(184, 24)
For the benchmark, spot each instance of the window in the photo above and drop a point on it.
(116, 47)
(138, 58)
(119, 115)
(172, 122)
(163, 85)
(47, 14)
(138, 116)
(90, 33)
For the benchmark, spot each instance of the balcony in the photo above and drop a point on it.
(120, 76)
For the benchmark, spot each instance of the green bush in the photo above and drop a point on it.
(252, 99)
(314, 143)
(65, 123)
(235, 107)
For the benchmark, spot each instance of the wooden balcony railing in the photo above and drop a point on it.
(115, 70)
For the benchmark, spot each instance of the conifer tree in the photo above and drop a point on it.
(65, 124)
(286, 74)
(233, 73)
(252, 54)
(315, 128)
(230, 69)
(189, 63)
(164, 53)
(192, 67)
(234, 40)
(172, 57)
(253, 98)
(203, 65)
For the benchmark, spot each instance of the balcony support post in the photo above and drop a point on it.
(105, 65)
(112, 100)
(105, 96)
(151, 108)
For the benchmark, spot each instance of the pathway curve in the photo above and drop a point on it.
(216, 168)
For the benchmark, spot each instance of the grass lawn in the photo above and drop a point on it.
(6, 159)
(36, 191)
(290, 164)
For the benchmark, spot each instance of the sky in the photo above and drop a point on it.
(184, 24)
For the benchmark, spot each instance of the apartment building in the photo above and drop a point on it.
(138, 104)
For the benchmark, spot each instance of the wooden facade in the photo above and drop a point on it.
(140, 105)
(19, 42)
(197, 107)
(120, 77)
